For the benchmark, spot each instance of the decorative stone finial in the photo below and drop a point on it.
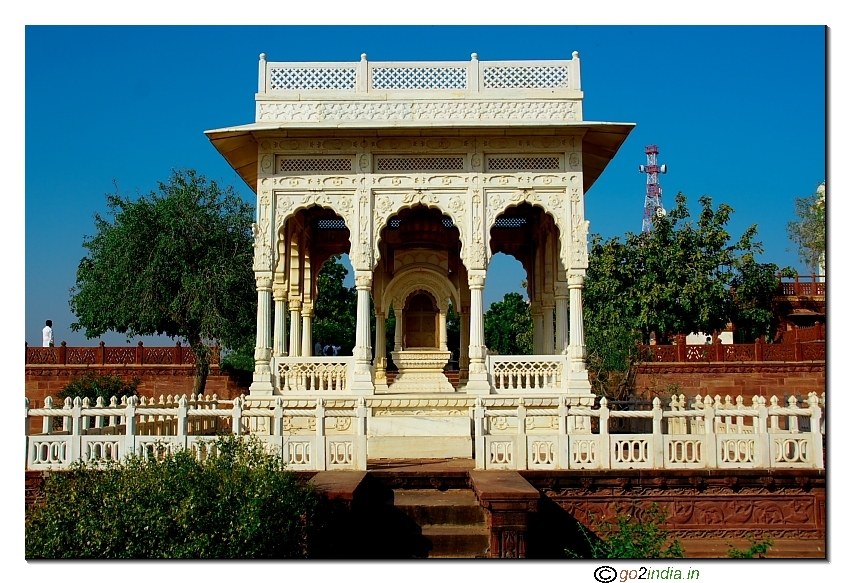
(575, 54)
(474, 56)
(262, 56)
(364, 57)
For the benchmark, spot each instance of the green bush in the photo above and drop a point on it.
(238, 503)
(629, 537)
(93, 386)
(758, 549)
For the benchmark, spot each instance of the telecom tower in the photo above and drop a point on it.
(652, 204)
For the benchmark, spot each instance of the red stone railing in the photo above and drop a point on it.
(794, 351)
(138, 355)
(816, 333)
(802, 285)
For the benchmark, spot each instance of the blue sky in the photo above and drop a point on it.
(738, 113)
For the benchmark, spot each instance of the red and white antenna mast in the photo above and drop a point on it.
(652, 203)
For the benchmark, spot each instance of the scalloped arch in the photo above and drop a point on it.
(563, 243)
(381, 222)
(322, 201)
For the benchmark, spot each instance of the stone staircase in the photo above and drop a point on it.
(443, 524)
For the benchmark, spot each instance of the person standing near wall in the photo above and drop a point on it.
(47, 334)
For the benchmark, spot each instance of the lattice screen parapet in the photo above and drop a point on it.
(470, 76)
(337, 78)
(384, 78)
(526, 77)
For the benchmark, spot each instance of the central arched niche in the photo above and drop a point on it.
(421, 319)
(420, 294)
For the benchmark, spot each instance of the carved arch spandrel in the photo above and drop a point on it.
(554, 203)
(387, 205)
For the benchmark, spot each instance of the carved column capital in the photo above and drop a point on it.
(476, 281)
(295, 304)
(264, 284)
(363, 280)
(576, 280)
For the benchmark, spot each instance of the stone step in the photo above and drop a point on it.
(435, 507)
(442, 523)
(457, 541)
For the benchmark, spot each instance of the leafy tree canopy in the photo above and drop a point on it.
(809, 230)
(335, 312)
(677, 278)
(176, 262)
(508, 326)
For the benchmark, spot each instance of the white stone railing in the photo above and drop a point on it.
(713, 433)
(174, 423)
(315, 374)
(526, 374)
(469, 77)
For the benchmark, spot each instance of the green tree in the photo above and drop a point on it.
(809, 230)
(754, 288)
(508, 326)
(176, 262)
(684, 276)
(677, 278)
(335, 313)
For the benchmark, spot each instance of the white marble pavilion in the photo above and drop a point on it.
(420, 172)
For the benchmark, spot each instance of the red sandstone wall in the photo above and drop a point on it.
(763, 379)
(44, 380)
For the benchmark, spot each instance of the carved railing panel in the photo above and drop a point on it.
(526, 373)
(119, 355)
(318, 374)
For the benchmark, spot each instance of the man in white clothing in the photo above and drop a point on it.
(47, 334)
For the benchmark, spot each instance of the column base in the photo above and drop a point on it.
(261, 386)
(478, 385)
(361, 380)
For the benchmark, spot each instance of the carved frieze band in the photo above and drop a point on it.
(318, 112)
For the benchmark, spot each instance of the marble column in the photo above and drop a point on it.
(280, 347)
(362, 345)
(442, 331)
(294, 327)
(548, 329)
(537, 330)
(307, 330)
(577, 349)
(399, 324)
(380, 349)
(463, 362)
(262, 382)
(478, 383)
(561, 312)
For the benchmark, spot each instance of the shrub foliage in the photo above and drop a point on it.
(239, 502)
(93, 386)
(632, 537)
